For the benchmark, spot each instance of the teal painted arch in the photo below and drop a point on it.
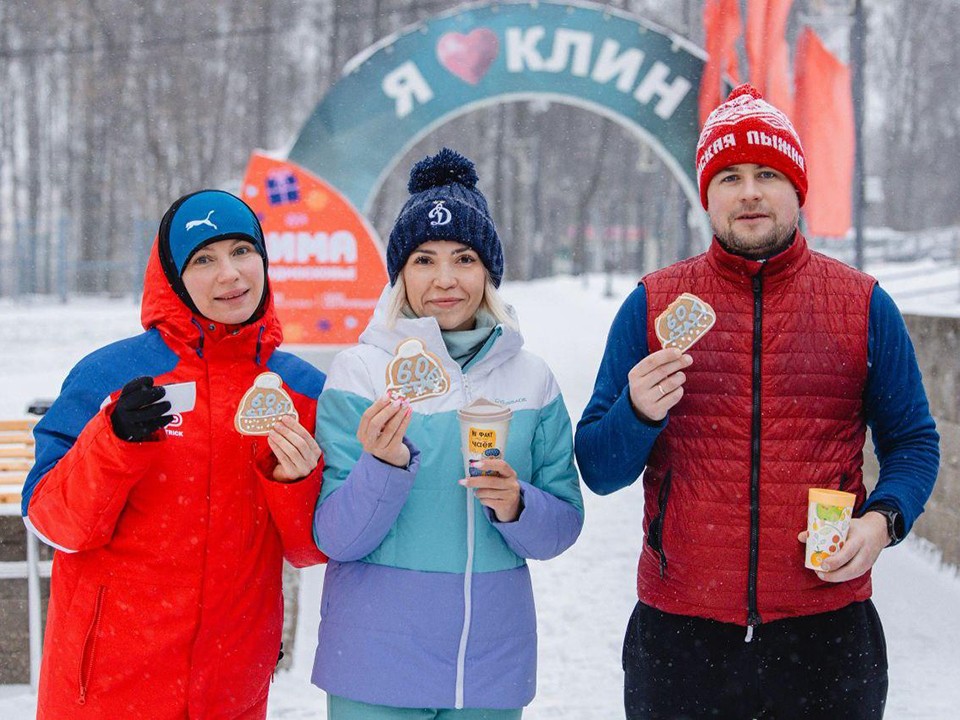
(397, 91)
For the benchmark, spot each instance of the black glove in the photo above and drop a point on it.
(137, 414)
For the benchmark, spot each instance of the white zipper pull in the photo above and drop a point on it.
(749, 636)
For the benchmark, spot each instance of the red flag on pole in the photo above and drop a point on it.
(825, 124)
(768, 53)
(722, 25)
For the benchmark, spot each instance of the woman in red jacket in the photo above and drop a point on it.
(171, 513)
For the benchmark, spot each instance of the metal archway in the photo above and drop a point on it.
(398, 90)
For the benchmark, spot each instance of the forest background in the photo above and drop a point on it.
(111, 109)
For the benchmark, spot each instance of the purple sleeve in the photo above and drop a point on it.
(546, 527)
(354, 519)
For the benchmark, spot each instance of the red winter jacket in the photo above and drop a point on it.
(772, 406)
(166, 591)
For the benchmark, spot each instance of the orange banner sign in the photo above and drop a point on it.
(327, 266)
(721, 24)
(825, 123)
(768, 53)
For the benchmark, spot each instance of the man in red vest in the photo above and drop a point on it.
(773, 400)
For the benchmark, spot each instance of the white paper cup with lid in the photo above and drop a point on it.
(484, 426)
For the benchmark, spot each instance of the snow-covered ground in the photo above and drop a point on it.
(584, 597)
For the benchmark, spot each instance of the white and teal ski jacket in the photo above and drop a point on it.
(427, 600)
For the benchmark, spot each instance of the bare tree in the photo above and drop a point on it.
(113, 108)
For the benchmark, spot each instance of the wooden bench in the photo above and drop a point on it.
(16, 460)
(16, 457)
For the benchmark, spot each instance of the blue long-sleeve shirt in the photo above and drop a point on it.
(613, 444)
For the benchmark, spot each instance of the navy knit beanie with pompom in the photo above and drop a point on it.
(445, 204)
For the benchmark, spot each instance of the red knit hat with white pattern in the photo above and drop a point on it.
(747, 129)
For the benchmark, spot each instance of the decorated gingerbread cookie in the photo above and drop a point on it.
(263, 405)
(684, 322)
(415, 374)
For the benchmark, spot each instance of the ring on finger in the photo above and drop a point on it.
(660, 388)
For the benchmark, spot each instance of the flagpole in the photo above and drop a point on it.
(858, 60)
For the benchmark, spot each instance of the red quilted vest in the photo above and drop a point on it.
(772, 406)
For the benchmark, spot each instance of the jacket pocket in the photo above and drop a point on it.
(89, 651)
(655, 531)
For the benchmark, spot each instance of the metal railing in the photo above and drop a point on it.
(48, 262)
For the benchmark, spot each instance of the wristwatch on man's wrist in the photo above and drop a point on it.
(894, 518)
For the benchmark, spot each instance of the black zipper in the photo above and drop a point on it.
(844, 480)
(753, 615)
(655, 531)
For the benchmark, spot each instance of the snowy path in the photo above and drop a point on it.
(583, 597)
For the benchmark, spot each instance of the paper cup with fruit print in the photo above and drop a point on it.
(828, 520)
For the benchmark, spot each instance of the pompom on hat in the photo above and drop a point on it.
(747, 129)
(445, 204)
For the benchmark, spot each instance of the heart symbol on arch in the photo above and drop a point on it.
(468, 56)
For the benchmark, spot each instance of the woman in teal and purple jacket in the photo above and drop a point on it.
(427, 608)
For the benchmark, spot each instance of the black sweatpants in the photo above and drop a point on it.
(819, 666)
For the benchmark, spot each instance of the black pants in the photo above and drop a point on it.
(832, 665)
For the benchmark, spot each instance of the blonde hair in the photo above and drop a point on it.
(398, 305)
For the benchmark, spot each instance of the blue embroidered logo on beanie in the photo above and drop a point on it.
(440, 215)
(445, 204)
